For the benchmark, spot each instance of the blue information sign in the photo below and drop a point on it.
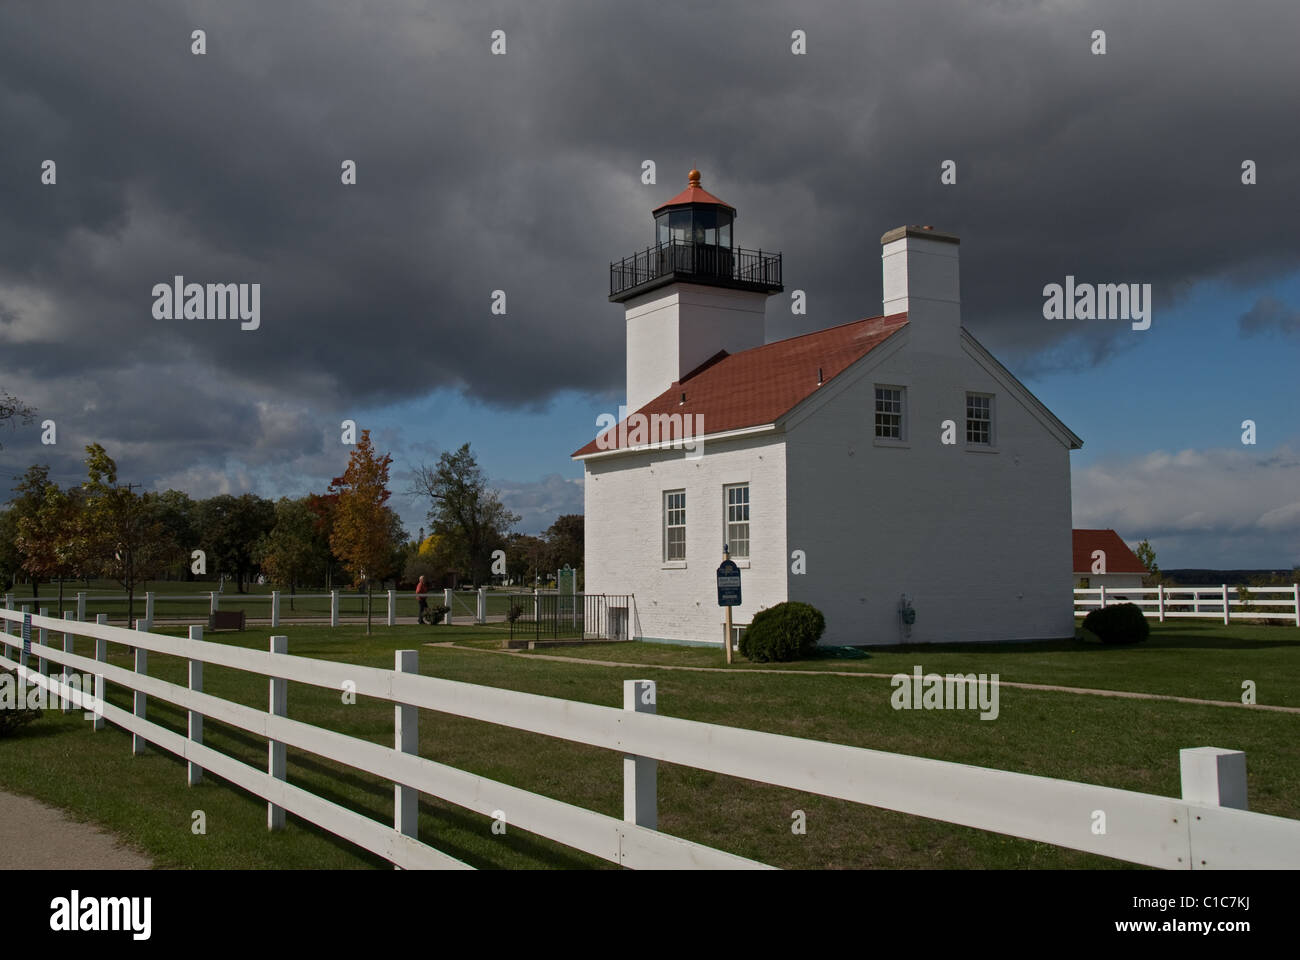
(728, 584)
(27, 636)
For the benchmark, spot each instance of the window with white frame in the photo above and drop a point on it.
(675, 525)
(736, 505)
(979, 419)
(889, 413)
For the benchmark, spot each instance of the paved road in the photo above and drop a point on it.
(34, 836)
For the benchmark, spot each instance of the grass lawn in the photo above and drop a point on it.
(1187, 659)
(1131, 744)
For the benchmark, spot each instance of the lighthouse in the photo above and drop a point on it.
(691, 297)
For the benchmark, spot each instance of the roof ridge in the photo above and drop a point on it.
(816, 333)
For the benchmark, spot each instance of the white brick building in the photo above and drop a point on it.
(879, 462)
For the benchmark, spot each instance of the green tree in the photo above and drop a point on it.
(26, 504)
(465, 510)
(294, 548)
(57, 541)
(178, 514)
(11, 559)
(123, 537)
(528, 558)
(363, 529)
(1146, 555)
(565, 538)
(229, 530)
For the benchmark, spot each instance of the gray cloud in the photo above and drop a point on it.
(1203, 508)
(1267, 314)
(521, 173)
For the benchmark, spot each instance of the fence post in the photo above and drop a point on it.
(275, 760)
(392, 608)
(69, 639)
(448, 601)
(101, 655)
(195, 729)
(406, 738)
(481, 612)
(1196, 600)
(9, 605)
(212, 601)
(275, 608)
(1103, 595)
(1160, 600)
(1213, 776)
(148, 611)
(640, 774)
(1295, 599)
(139, 701)
(1225, 604)
(22, 647)
(43, 639)
(334, 608)
(81, 606)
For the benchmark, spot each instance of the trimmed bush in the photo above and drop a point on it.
(14, 715)
(1122, 623)
(436, 613)
(515, 613)
(787, 631)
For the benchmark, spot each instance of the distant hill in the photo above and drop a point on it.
(1193, 577)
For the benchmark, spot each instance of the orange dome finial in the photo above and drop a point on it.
(693, 178)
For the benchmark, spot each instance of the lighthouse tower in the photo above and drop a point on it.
(692, 295)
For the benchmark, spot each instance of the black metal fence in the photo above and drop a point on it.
(571, 616)
(706, 261)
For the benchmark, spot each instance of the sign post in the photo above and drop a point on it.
(728, 593)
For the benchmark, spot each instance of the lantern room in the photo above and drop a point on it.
(695, 216)
(694, 243)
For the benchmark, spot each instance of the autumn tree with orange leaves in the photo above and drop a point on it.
(362, 531)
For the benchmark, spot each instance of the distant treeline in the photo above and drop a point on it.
(1196, 577)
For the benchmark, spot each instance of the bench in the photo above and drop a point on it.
(226, 620)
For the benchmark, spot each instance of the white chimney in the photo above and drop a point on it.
(921, 279)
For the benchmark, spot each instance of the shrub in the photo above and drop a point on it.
(17, 715)
(515, 613)
(787, 631)
(1122, 623)
(436, 613)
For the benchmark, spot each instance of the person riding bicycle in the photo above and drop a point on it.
(421, 589)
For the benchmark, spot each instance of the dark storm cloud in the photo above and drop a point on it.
(1269, 313)
(521, 173)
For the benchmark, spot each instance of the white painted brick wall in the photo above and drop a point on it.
(624, 534)
(980, 542)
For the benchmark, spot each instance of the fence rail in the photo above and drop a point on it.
(336, 606)
(1215, 603)
(1203, 829)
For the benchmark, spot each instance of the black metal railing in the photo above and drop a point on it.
(682, 259)
(569, 616)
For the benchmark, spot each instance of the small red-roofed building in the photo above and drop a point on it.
(872, 467)
(1102, 559)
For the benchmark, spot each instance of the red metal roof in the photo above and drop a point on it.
(694, 193)
(1119, 558)
(754, 387)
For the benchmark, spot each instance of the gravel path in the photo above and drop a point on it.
(34, 836)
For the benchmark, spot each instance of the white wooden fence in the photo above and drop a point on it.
(384, 605)
(1207, 827)
(1214, 603)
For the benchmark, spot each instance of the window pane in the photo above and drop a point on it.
(889, 413)
(736, 509)
(675, 525)
(681, 224)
